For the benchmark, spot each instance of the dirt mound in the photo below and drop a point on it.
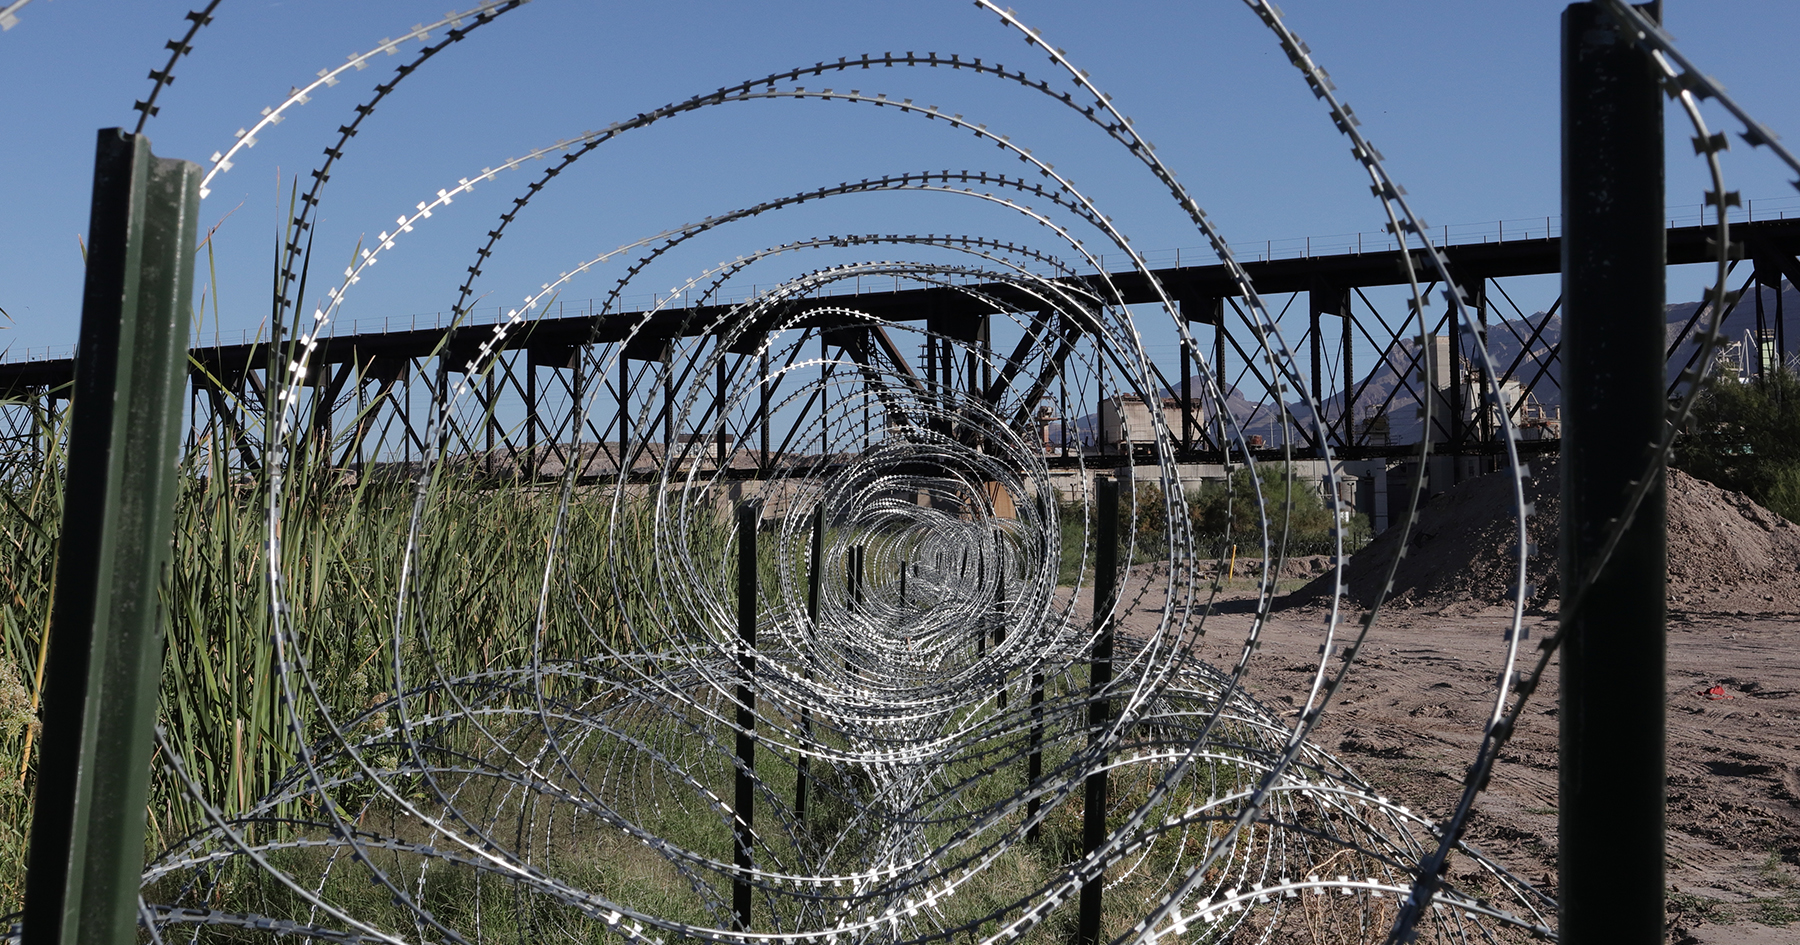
(1726, 553)
(1292, 567)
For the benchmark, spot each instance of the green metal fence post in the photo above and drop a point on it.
(106, 637)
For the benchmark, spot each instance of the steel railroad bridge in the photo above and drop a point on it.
(526, 398)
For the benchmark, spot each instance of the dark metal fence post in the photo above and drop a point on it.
(1034, 762)
(749, 515)
(1093, 826)
(106, 640)
(999, 609)
(814, 566)
(803, 768)
(981, 629)
(1610, 810)
(853, 583)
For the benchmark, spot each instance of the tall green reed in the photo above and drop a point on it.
(476, 566)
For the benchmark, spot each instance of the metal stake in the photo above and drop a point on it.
(106, 640)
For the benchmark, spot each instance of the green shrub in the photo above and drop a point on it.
(1744, 435)
(1220, 515)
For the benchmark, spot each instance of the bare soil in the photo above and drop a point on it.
(1726, 553)
(1411, 715)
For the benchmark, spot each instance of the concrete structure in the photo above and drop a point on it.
(1125, 421)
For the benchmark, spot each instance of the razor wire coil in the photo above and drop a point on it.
(927, 655)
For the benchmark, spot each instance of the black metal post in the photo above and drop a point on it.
(1034, 762)
(814, 569)
(853, 564)
(1611, 791)
(981, 632)
(853, 584)
(1093, 825)
(803, 769)
(749, 515)
(106, 641)
(999, 610)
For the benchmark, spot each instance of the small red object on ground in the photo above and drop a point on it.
(1717, 692)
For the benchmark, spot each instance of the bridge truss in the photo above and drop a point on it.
(542, 397)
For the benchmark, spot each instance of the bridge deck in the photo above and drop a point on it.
(1188, 285)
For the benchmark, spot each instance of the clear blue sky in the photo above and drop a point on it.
(1459, 95)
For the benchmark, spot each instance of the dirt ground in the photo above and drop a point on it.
(1411, 716)
(1410, 720)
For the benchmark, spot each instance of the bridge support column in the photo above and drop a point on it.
(719, 412)
(623, 421)
(1187, 398)
(1312, 334)
(762, 413)
(1330, 300)
(668, 386)
(556, 358)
